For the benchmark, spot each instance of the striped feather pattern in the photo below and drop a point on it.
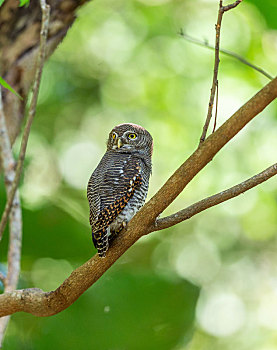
(116, 190)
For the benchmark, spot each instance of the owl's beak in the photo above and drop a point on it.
(119, 143)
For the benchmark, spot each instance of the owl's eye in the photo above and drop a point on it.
(132, 136)
(113, 136)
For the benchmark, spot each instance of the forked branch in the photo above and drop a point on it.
(214, 88)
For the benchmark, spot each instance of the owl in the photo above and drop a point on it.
(118, 187)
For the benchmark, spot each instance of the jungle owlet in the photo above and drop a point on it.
(118, 187)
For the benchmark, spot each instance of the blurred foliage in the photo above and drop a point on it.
(208, 283)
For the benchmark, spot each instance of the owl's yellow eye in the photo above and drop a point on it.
(132, 136)
(113, 136)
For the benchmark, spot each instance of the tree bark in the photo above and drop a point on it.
(19, 45)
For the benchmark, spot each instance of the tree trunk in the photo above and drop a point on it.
(19, 43)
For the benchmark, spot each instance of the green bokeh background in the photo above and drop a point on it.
(208, 283)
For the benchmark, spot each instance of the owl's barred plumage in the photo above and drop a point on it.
(118, 187)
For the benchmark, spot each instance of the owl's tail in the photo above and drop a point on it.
(101, 242)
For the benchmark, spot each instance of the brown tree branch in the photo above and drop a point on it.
(216, 199)
(225, 52)
(40, 303)
(32, 111)
(221, 11)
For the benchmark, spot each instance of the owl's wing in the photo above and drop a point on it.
(93, 198)
(109, 195)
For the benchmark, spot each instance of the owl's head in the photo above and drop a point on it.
(130, 138)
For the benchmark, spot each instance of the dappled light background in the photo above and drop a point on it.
(207, 283)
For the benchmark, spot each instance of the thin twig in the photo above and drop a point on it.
(221, 11)
(225, 52)
(216, 64)
(231, 6)
(216, 199)
(15, 226)
(14, 256)
(216, 106)
(32, 111)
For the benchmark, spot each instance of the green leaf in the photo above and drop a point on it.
(7, 86)
(1, 2)
(23, 2)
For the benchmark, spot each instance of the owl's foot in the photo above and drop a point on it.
(101, 255)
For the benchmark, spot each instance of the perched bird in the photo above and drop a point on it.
(118, 187)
